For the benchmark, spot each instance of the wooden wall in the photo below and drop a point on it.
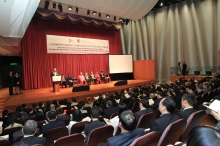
(144, 70)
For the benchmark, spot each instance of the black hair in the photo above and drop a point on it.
(77, 115)
(145, 103)
(127, 120)
(191, 100)
(23, 119)
(39, 116)
(59, 110)
(96, 103)
(34, 105)
(54, 102)
(40, 104)
(203, 136)
(73, 99)
(95, 112)
(169, 103)
(51, 115)
(109, 103)
(121, 107)
(19, 108)
(23, 105)
(47, 105)
(4, 112)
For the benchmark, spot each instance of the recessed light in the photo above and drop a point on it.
(70, 8)
(161, 4)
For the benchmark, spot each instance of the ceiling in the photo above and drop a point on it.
(127, 9)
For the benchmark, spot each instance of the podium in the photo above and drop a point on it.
(56, 83)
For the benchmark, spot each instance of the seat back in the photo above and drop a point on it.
(55, 133)
(150, 139)
(70, 140)
(126, 100)
(40, 124)
(10, 132)
(172, 133)
(145, 120)
(194, 120)
(5, 142)
(88, 108)
(65, 119)
(78, 127)
(113, 115)
(100, 135)
(135, 107)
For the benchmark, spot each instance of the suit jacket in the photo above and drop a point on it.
(31, 140)
(125, 139)
(141, 112)
(89, 127)
(109, 111)
(51, 125)
(162, 122)
(186, 113)
(199, 93)
(206, 90)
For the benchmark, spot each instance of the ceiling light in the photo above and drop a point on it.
(99, 15)
(94, 13)
(60, 8)
(107, 16)
(70, 8)
(88, 12)
(46, 5)
(77, 10)
(54, 5)
(161, 4)
(114, 18)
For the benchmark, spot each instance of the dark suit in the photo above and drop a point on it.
(162, 122)
(184, 69)
(51, 125)
(31, 140)
(109, 111)
(199, 93)
(186, 113)
(89, 127)
(141, 112)
(10, 79)
(125, 139)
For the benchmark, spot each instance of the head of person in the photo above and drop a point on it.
(29, 127)
(5, 112)
(54, 69)
(23, 106)
(11, 120)
(96, 103)
(39, 116)
(121, 107)
(51, 116)
(199, 87)
(206, 85)
(59, 110)
(86, 73)
(40, 104)
(73, 99)
(188, 101)
(19, 108)
(95, 112)
(203, 136)
(81, 73)
(81, 104)
(54, 102)
(189, 88)
(77, 115)
(167, 105)
(88, 100)
(23, 119)
(127, 121)
(10, 72)
(34, 105)
(91, 72)
(109, 103)
(143, 103)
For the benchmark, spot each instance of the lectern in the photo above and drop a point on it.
(56, 83)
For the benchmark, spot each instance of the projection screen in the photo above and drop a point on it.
(120, 64)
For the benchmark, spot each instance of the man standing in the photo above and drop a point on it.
(10, 82)
(184, 68)
(54, 73)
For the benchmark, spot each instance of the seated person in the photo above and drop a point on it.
(199, 90)
(74, 103)
(95, 114)
(53, 123)
(166, 108)
(102, 75)
(110, 109)
(87, 78)
(60, 114)
(92, 78)
(76, 117)
(80, 106)
(63, 81)
(187, 105)
(29, 129)
(189, 90)
(13, 122)
(69, 80)
(144, 108)
(97, 76)
(81, 78)
(107, 77)
(127, 123)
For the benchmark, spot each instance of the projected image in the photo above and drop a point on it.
(120, 64)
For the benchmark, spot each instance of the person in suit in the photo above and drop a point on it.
(29, 130)
(184, 68)
(110, 109)
(69, 80)
(87, 78)
(54, 73)
(206, 86)
(102, 75)
(95, 114)
(187, 105)
(92, 78)
(53, 123)
(10, 80)
(199, 90)
(144, 108)
(189, 90)
(128, 135)
(166, 108)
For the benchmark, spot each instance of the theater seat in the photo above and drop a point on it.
(100, 135)
(145, 120)
(135, 107)
(78, 127)
(55, 133)
(194, 120)
(70, 140)
(172, 133)
(150, 139)
(5, 142)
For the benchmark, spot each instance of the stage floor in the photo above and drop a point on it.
(174, 77)
(46, 94)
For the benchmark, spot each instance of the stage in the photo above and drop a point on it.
(47, 94)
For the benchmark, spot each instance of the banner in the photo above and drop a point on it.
(75, 45)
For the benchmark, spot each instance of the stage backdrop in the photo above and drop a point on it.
(37, 64)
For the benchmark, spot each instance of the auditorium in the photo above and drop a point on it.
(109, 73)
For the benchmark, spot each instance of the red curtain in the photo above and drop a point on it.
(37, 64)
